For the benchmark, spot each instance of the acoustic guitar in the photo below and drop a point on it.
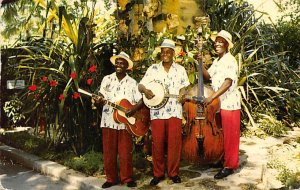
(137, 125)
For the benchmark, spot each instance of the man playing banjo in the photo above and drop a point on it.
(166, 120)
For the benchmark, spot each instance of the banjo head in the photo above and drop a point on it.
(159, 100)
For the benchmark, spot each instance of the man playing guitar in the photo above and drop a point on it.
(166, 121)
(116, 139)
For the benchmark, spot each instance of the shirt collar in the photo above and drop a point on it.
(224, 57)
(115, 76)
(173, 64)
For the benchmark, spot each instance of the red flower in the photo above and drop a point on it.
(92, 68)
(44, 78)
(53, 83)
(73, 75)
(76, 95)
(61, 97)
(181, 53)
(89, 81)
(32, 88)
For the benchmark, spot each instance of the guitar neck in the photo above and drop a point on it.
(115, 106)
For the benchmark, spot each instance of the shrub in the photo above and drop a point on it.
(272, 126)
(25, 141)
(88, 163)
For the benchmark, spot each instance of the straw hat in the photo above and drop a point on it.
(167, 43)
(122, 55)
(226, 35)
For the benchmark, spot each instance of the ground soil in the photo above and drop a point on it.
(261, 162)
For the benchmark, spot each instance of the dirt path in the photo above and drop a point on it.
(256, 157)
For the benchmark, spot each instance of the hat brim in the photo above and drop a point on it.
(113, 61)
(230, 44)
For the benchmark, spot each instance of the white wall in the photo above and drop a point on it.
(268, 6)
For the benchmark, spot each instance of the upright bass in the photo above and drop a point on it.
(203, 138)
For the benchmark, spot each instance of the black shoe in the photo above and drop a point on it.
(107, 185)
(131, 184)
(156, 180)
(176, 179)
(223, 173)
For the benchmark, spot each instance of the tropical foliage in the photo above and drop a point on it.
(56, 66)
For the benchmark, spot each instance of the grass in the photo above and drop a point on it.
(89, 163)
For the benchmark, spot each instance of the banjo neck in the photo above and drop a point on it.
(171, 96)
(178, 96)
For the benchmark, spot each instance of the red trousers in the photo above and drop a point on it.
(117, 142)
(231, 130)
(166, 131)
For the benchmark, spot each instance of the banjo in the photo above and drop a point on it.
(161, 95)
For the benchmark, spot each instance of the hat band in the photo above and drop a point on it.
(167, 45)
(123, 55)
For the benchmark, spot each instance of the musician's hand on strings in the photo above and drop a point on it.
(149, 94)
(130, 112)
(208, 100)
(182, 98)
(99, 100)
(198, 56)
